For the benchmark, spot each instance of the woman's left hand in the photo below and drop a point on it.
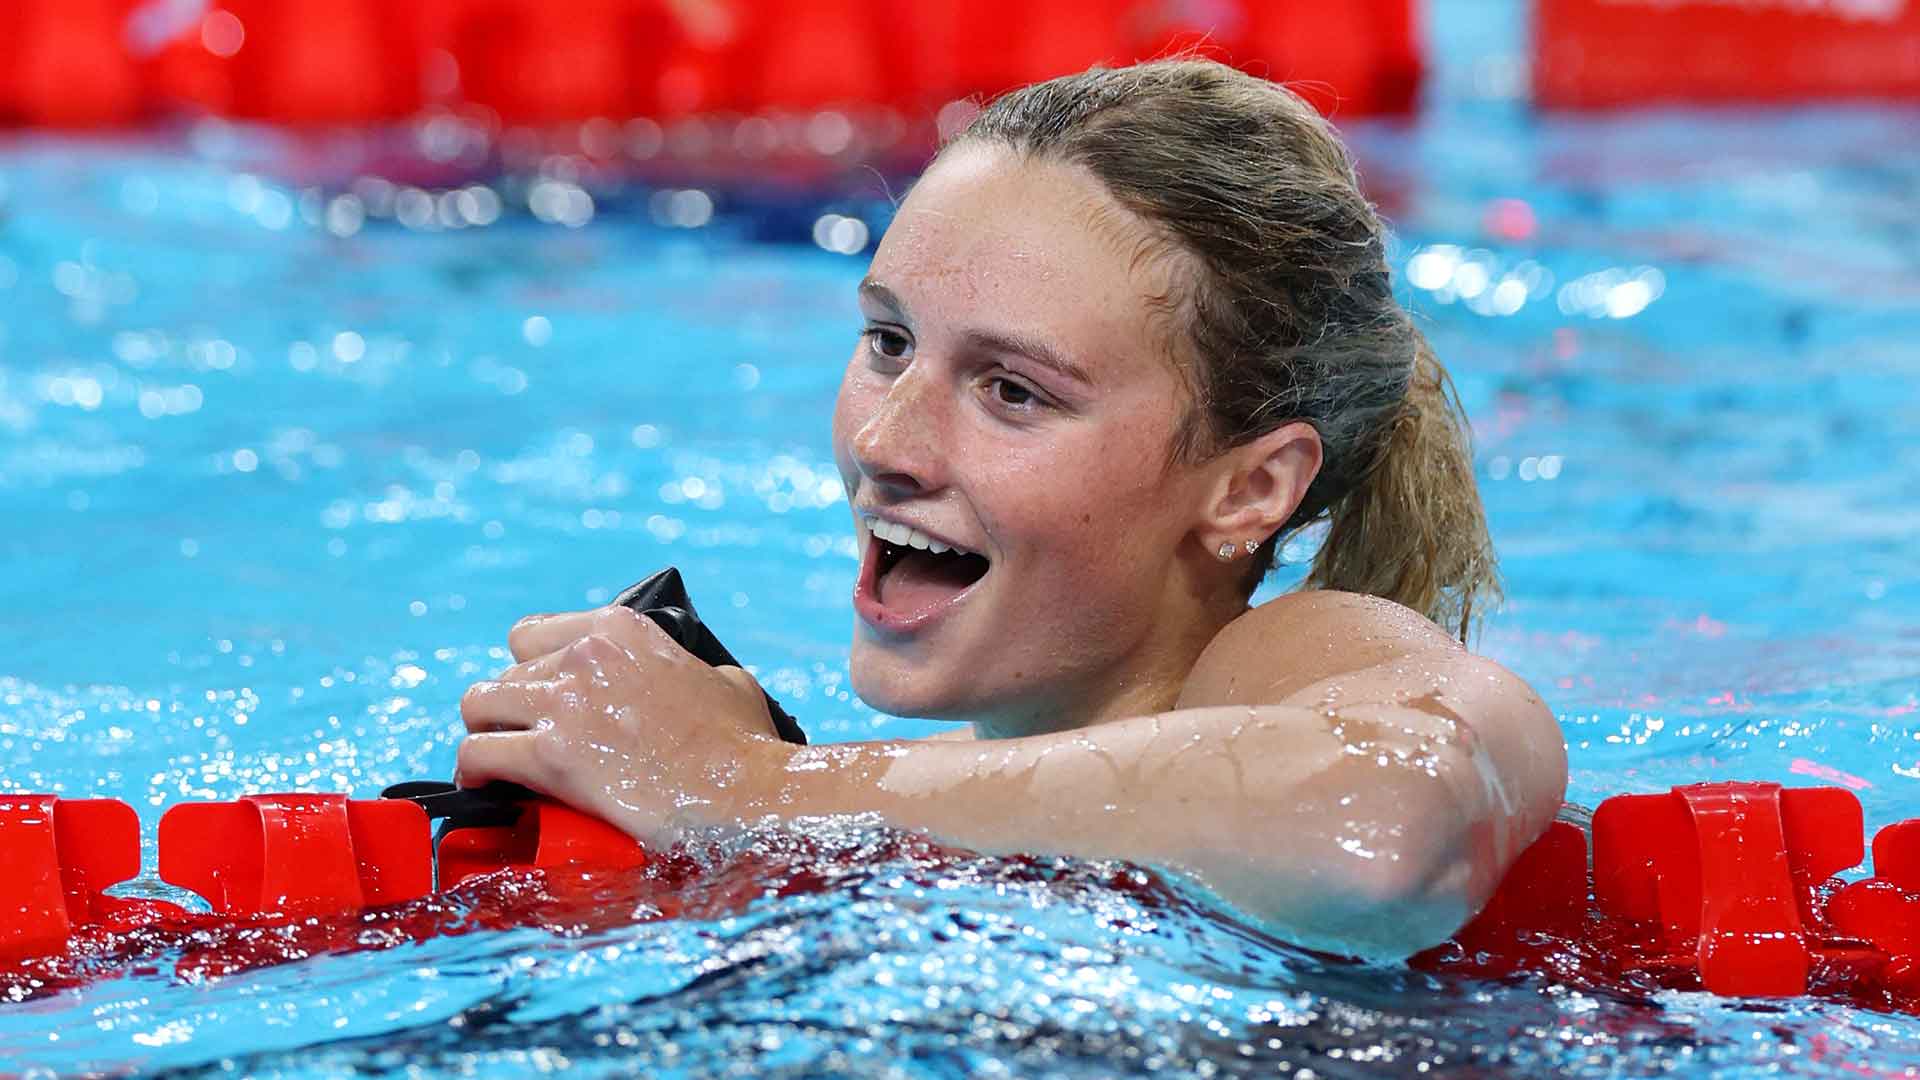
(608, 714)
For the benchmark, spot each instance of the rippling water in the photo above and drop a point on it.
(272, 497)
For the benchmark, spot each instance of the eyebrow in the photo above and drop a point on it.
(873, 290)
(1001, 341)
(1033, 349)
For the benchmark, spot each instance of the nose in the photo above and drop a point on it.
(897, 446)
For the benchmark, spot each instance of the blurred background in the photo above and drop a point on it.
(335, 335)
(75, 63)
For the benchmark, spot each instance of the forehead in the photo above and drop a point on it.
(989, 238)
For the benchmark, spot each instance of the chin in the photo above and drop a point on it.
(893, 695)
(899, 689)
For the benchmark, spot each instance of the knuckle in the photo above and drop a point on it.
(475, 694)
(520, 637)
(595, 648)
(546, 754)
(616, 618)
(470, 763)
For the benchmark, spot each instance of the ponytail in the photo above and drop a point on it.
(1413, 530)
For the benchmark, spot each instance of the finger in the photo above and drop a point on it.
(538, 635)
(538, 669)
(507, 705)
(637, 634)
(502, 755)
(636, 637)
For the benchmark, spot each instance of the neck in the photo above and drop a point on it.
(1129, 696)
(1147, 679)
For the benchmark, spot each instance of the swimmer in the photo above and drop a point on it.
(1131, 330)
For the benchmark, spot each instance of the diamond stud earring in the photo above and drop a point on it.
(1253, 546)
(1226, 551)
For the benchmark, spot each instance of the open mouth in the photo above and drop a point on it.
(909, 575)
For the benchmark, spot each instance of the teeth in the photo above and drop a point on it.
(900, 535)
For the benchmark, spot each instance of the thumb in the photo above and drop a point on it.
(750, 686)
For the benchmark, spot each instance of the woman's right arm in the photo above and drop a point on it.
(1376, 826)
(1369, 816)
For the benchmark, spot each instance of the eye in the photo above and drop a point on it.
(1008, 392)
(889, 344)
(1015, 396)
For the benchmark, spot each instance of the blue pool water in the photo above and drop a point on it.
(272, 496)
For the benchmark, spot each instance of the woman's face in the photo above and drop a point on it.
(1012, 398)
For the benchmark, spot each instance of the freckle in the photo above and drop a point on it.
(1086, 519)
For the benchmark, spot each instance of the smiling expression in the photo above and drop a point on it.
(1012, 396)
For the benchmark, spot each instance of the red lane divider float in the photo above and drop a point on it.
(1604, 53)
(93, 62)
(56, 855)
(547, 834)
(1726, 887)
(259, 861)
(298, 855)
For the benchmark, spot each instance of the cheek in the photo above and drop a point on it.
(1096, 507)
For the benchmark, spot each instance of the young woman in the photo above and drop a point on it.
(1131, 330)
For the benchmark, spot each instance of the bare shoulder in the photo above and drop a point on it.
(1332, 649)
(1297, 640)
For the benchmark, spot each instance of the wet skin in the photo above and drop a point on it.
(1333, 764)
(1012, 394)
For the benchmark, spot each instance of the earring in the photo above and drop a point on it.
(1253, 546)
(1226, 551)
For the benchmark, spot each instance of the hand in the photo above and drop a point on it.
(608, 714)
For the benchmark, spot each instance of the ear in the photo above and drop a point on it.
(1258, 486)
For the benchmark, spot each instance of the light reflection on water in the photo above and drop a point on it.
(274, 492)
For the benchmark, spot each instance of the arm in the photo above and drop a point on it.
(1372, 826)
(1362, 812)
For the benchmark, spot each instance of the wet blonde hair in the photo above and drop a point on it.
(1289, 314)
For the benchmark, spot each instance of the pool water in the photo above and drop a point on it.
(273, 495)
